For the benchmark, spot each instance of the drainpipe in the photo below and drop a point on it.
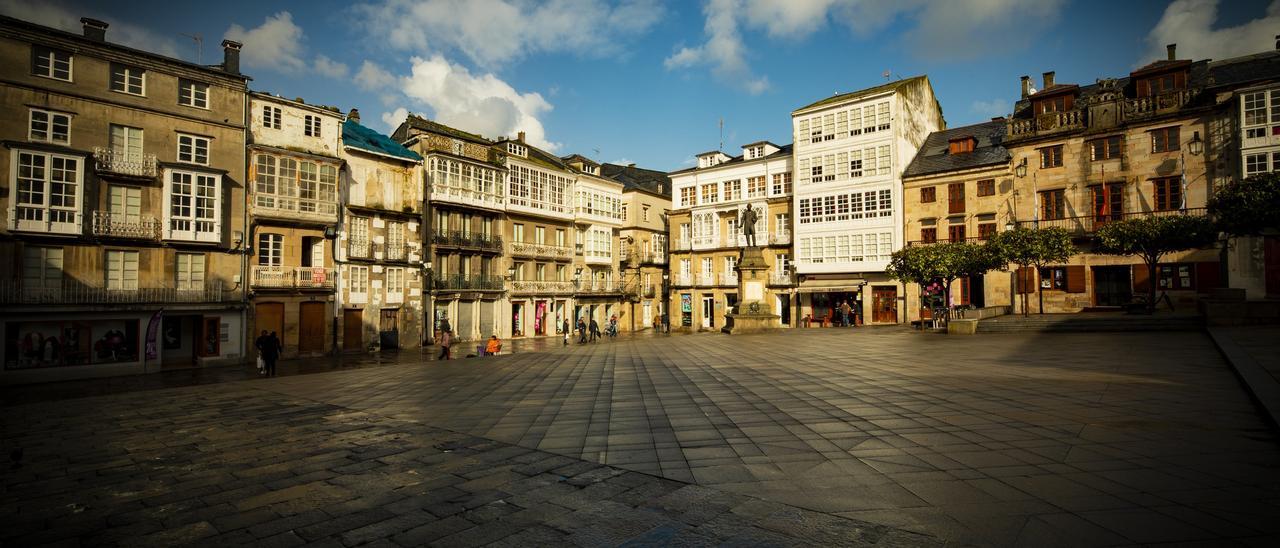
(246, 330)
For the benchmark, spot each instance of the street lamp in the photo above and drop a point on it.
(1196, 145)
(1010, 225)
(1021, 169)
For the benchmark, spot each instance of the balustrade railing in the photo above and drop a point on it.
(526, 249)
(106, 160)
(542, 286)
(18, 292)
(292, 277)
(1088, 224)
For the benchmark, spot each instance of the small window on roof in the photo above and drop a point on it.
(962, 145)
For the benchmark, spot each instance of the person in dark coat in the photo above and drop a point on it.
(566, 332)
(582, 331)
(595, 330)
(270, 352)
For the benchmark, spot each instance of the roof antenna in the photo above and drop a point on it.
(597, 152)
(721, 134)
(886, 75)
(199, 46)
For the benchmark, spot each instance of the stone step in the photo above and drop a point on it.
(1091, 325)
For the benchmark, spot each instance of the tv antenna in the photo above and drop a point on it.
(199, 46)
(721, 134)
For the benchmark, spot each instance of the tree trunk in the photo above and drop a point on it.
(1152, 281)
(1040, 289)
(1224, 270)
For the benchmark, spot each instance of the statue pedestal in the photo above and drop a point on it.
(752, 314)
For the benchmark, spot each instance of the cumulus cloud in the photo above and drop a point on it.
(494, 32)
(723, 51)
(276, 43)
(53, 13)
(479, 103)
(372, 77)
(328, 67)
(1190, 24)
(992, 108)
(932, 28)
(394, 118)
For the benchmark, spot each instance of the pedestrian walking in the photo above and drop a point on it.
(566, 331)
(446, 338)
(258, 343)
(844, 313)
(595, 330)
(271, 349)
(582, 331)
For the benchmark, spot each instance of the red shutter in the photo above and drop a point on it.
(1141, 279)
(1075, 279)
(1026, 280)
(1207, 276)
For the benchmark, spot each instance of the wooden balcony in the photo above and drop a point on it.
(107, 225)
(292, 277)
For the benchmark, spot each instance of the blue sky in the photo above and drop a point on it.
(647, 81)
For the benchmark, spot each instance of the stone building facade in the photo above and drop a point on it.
(959, 188)
(849, 153)
(380, 246)
(601, 287)
(643, 245)
(293, 207)
(708, 202)
(466, 202)
(123, 188)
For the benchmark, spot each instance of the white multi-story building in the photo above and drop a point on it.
(849, 154)
(1259, 153)
(598, 218)
(708, 201)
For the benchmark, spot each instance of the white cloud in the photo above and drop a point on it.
(479, 103)
(328, 67)
(723, 51)
(494, 32)
(275, 44)
(933, 28)
(1189, 23)
(371, 77)
(992, 108)
(394, 119)
(623, 162)
(56, 14)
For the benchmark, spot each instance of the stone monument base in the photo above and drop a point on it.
(737, 324)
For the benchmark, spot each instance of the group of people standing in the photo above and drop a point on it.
(590, 331)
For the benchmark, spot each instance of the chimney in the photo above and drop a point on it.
(1048, 80)
(1026, 86)
(997, 118)
(94, 29)
(632, 164)
(231, 56)
(354, 115)
(520, 136)
(1173, 51)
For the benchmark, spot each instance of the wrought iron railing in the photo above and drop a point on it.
(106, 160)
(457, 238)
(120, 226)
(548, 251)
(18, 292)
(542, 286)
(459, 281)
(292, 277)
(1088, 224)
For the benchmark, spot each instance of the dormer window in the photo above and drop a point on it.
(962, 145)
(515, 149)
(1061, 103)
(1163, 83)
(754, 152)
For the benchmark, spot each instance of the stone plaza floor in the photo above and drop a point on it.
(1000, 440)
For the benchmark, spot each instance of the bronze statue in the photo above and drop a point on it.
(747, 220)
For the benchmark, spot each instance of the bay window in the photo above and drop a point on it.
(47, 191)
(194, 211)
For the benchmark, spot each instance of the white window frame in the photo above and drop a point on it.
(124, 203)
(198, 220)
(358, 284)
(52, 71)
(270, 250)
(33, 205)
(128, 73)
(42, 271)
(311, 125)
(193, 144)
(197, 94)
(50, 122)
(189, 271)
(395, 284)
(125, 278)
(272, 117)
(127, 143)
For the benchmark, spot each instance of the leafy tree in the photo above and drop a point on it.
(1034, 247)
(1152, 237)
(942, 261)
(1245, 208)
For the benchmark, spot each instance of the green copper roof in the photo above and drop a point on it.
(357, 136)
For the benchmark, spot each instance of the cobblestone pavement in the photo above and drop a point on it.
(1026, 439)
(234, 464)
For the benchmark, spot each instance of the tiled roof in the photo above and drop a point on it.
(783, 150)
(535, 155)
(418, 122)
(935, 155)
(1244, 70)
(357, 136)
(862, 93)
(633, 177)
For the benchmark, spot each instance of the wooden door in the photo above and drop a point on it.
(884, 304)
(353, 330)
(310, 327)
(269, 317)
(1271, 264)
(389, 329)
